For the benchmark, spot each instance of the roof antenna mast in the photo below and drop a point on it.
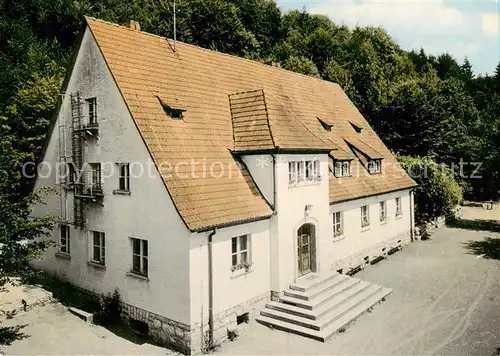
(175, 27)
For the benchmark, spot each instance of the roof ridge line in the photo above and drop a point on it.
(211, 51)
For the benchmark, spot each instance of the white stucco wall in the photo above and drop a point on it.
(355, 238)
(291, 203)
(230, 288)
(261, 169)
(147, 213)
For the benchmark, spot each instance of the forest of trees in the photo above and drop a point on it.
(419, 104)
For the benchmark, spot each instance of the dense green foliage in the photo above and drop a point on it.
(18, 232)
(437, 193)
(421, 105)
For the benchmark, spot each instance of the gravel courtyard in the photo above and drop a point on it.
(446, 301)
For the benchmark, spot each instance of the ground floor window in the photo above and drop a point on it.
(399, 210)
(338, 229)
(140, 256)
(365, 216)
(98, 247)
(240, 252)
(383, 211)
(64, 239)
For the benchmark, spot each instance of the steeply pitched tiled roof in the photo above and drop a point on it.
(216, 90)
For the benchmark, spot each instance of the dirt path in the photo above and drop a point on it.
(445, 302)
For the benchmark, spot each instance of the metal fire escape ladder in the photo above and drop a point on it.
(78, 142)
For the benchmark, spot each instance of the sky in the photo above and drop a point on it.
(461, 28)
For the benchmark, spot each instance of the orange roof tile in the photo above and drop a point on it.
(232, 104)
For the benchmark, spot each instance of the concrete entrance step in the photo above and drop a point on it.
(338, 303)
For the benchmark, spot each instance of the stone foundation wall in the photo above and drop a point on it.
(364, 257)
(167, 332)
(225, 321)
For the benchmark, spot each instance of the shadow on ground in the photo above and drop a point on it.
(488, 248)
(71, 296)
(478, 224)
(9, 334)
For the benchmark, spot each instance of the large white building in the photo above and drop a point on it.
(204, 186)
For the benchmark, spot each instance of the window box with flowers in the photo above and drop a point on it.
(240, 255)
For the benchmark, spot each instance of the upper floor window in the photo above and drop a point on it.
(383, 211)
(399, 209)
(342, 168)
(98, 254)
(92, 110)
(303, 172)
(240, 252)
(338, 224)
(96, 175)
(365, 216)
(140, 256)
(124, 177)
(375, 166)
(64, 240)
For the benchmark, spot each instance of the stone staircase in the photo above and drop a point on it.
(318, 306)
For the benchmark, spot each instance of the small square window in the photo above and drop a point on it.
(342, 169)
(375, 166)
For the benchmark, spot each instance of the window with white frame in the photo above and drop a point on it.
(98, 247)
(303, 172)
(139, 256)
(365, 216)
(399, 209)
(383, 211)
(64, 239)
(96, 175)
(375, 166)
(92, 110)
(338, 224)
(240, 252)
(292, 172)
(342, 169)
(300, 171)
(124, 177)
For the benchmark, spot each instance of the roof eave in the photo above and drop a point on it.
(231, 223)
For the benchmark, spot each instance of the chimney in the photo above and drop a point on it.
(134, 25)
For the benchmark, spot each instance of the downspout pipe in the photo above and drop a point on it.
(210, 289)
(412, 212)
(274, 184)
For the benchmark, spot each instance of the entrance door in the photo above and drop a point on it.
(305, 249)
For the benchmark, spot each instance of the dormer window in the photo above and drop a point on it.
(342, 169)
(174, 111)
(356, 127)
(375, 166)
(326, 124)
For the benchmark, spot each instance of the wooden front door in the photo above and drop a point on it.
(305, 248)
